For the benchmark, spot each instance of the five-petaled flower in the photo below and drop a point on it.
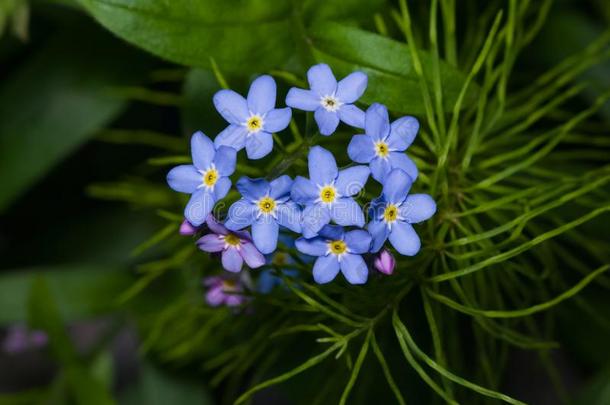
(222, 290)
(264, 205)
(330, 100)
(338, 250)
(206, 179)
(328, 193)
(395, 211)
(383, 145)
(235, 247)
(252, 120)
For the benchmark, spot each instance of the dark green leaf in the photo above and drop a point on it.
(392, 79)
(57, 100)
(239, 36)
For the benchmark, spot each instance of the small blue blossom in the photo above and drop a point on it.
(395, 211)
(328, 193)
(383, 145)
(330, 100)
(338, 250)
(265, 206)
(252, 120)
(206, 179)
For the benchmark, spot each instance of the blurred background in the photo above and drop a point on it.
(84, 118)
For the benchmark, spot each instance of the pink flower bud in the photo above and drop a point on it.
(187, 229)
(384, 262)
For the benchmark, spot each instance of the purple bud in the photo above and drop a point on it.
(384, 262)
(187, 229)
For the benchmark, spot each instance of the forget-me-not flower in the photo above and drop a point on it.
(252, 120)
(330, 100)
(328, 192)
(383, 145)
(395, 211)
(264, 205)
(206, 179)
(338, 250)
(223, 290)
(234, 247)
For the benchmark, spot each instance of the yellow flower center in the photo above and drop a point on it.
(328, 194)
(210, 177)
(229, 285)
(266, 205)
(280, 259)
(232, 240)
(337, 247)
(382, 149)
(254, 123)
(390, 214)
(330, 103)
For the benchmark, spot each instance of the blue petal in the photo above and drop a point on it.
(361, 149)
(346, 212)
(332, 232)
(225, 160)
(379, 231)
(314, 218)
(327, 121)
(265, 232)
(261, 96)
(404, 238)
(280, 187)
(321, 80)
(221, 188)
(325, 269)
(289, 216)
(399, 160)
(259, 145)
(380, 168)
(231, 106)
(352, 115)
(199, 206)
(396, 186)
(358, 241)
(303, 191)
(184, 178)
(377, 121)
(202, 150)
(232, 260)
(242, 213)
(266, 282)
(351, 88)
(277, 120)
(233, 136)
(302, 99)
(376, 208)
(354, 269)
(322, 166)
(417, 208)
(311, 247)
(252, 189)
(351, 180)
(251, 255)
(402, 133)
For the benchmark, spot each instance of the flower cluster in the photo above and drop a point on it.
(323, 208)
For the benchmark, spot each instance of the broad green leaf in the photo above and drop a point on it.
(198, 112)
(392, 79)
(240, 36)
(57, 99)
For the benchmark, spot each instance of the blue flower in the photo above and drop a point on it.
(253, 120)
(328, 193)
(395, 211)
(330, 100)
(337, 249)
(383, 145)
(206, 179)
(265, 206)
